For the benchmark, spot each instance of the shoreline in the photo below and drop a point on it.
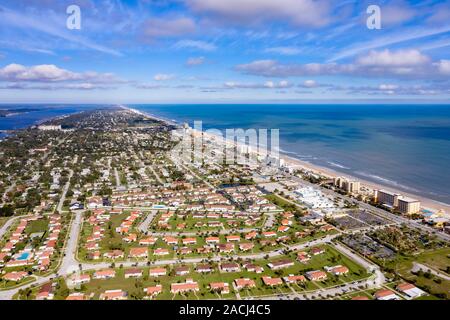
(426, 203)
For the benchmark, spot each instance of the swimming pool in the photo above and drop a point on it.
(23, 256)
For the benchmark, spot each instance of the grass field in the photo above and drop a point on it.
(3, 220)
(135, 287)
(437, 259)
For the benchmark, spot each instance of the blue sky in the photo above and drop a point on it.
(160, 51)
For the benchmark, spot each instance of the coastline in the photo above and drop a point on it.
(426, 203)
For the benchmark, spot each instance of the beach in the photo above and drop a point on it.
(426, 203)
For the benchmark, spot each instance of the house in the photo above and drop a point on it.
(271, 282)
(204, 268)
(105, 274)
(132, 237)
(114, 254)
(251, 235)
(233, 238)
(244, 283)
(250, 267)
(294, 279)
(410, 290)
(337, 270)
(156, 272)
(283, 229)
(229, 267)
(151, 292)
(15, 276)
(46, 292)
(226, 248)
(280, 264)
(161, 252)
(269, 234)
(386, 294)
(212, 240)
(114, 295)
(79, 279)
(303, 257)
(95, 202)
(148, 241)
(246, 246)
(189, 285)
(187, 241)
(316, 251)
(360, 298)
(316, 275)
(94, 255)
(138, 253)
(133, 273)
(182, 270)
(76, 296)
(170, 240)
(220, 287)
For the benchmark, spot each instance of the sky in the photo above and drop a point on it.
(224, 51)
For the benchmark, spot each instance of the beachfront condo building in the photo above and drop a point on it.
(350, 186)
(408, 205)
(395, 200)
(388, 198)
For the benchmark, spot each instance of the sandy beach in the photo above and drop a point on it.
(426, 203)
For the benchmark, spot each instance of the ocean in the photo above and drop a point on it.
(406, 147)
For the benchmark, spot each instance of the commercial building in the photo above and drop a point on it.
(388, 198)
(408, 205)
(396, 201)
(350, 186)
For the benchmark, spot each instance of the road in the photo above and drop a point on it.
(8, 224)
(158, 178)
(419, 266)
(217, 258)
(185, 167)
(63, 195)
(116, 174)
(69, 262)
(143, 227)
(380, 212)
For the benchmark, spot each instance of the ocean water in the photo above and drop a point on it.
(401, 146)
(27, 119)
(406, 147)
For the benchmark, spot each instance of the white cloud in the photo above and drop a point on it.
(162, 27)
(195, 44)
(399, 58)
(163, 77)
(51, 73)
(283, 84)
(444, 67)
(195, 61)
(313, 13)
(391, 39)
(309, 84)
(405, 64)
(288, 51)
(388, 87)
(396, 13)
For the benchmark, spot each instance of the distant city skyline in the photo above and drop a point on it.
(234, 51)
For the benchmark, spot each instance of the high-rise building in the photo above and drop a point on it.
(395, 200)
(388, 197)
(408, 205)
(350, 186)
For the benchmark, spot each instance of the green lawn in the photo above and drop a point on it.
(135, 286)
(40, 225)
